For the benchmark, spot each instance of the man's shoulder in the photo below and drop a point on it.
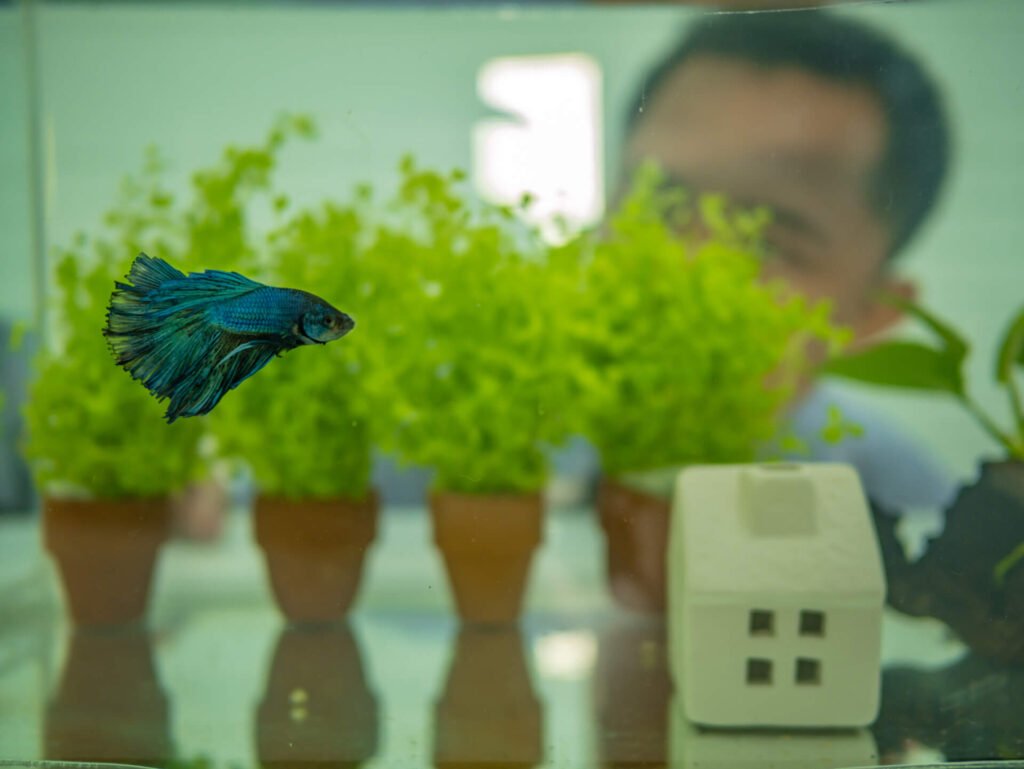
(899, 472)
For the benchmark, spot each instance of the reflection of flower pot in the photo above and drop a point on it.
(105, 551)
(632, 690)
(488, 714)
(636, 526)
(487, 542)
(318, 707)
(314, 550)
(109, 705)
(955, 579)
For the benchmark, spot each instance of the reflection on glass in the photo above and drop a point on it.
(632, 692)
(488, 712)
(318, 705)
(691, 746)
(971, 709)
(110, 705)
(970, 575)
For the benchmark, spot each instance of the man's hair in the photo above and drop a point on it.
(906, 183)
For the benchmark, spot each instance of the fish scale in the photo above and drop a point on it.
(266, 310)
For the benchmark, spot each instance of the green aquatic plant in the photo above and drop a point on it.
(90, 429)
(689, 356)
(220, 223)
(940, 368)
(304, 424)
(465, 338)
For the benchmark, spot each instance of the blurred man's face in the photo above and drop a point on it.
(799, 144)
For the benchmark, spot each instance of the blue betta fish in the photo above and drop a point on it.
(192, 338)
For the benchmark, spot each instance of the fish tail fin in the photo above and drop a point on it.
(160, 333)
(134, 320)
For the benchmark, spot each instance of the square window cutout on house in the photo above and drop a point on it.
(812, 623)
(762, 622)
(759, 671)
(808, 671)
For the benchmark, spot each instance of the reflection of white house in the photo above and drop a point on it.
(690, 747)
(776, 591)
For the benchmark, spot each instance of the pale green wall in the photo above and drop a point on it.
(970, 260)
(16, 286)
(382, 82)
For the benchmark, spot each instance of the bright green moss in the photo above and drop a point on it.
(686, 355)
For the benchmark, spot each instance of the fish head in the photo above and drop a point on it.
(323, 323)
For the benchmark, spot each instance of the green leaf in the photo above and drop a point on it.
(908, 365)
(955, 344)
(1011, 349)
(836, 429)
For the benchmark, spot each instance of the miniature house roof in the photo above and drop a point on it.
(777, 533)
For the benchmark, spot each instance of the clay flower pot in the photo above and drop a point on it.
(488, 714)
(105, 551)
(314, 551)
(636, 526)
(198, 513)
(318, 708)
(487, 542)
(109, 706)
(955, 580)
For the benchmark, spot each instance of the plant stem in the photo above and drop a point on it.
(990, 427)
(1018, 411)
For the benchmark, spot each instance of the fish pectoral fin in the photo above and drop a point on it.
(229, 362)
(273, 349)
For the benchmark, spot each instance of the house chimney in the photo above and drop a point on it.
(778, 500)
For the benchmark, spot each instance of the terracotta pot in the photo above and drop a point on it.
(487, 542)
(318, 709)
(199, 512)
(488, 714)
(105, 552)
(109, 705)
(636, 527)
(314, 551)
(954, 580)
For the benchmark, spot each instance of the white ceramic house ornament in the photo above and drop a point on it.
(776, 592)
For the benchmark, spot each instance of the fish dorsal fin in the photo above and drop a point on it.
(201, 289)
(148, 273)
(228, 282)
